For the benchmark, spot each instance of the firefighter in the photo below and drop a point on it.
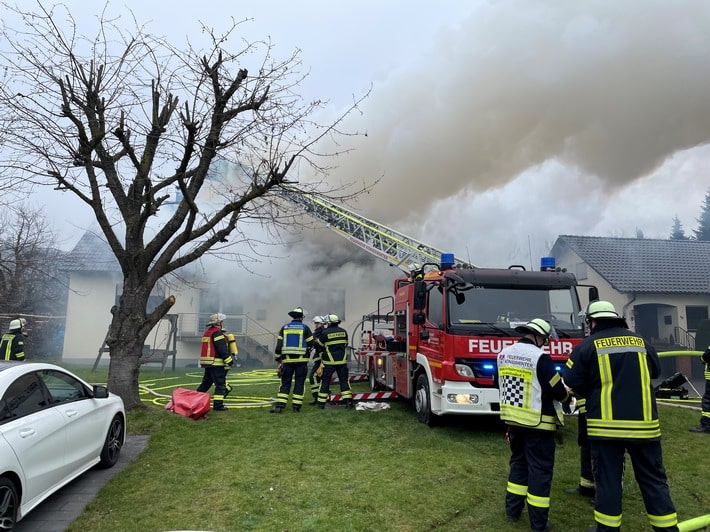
(704, 425)
(313, 375)
(586, 487)
(216, 358)
(529, 384)
(292, 345)
(12, 346)
(612, 369)
(334, 341)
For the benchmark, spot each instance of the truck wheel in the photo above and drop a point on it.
(422, 401)
(372, 377)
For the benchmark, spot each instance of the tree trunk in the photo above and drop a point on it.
(127, 334)
(124, 369)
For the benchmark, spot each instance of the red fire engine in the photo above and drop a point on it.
(436, 339)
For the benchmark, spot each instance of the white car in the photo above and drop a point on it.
(53, 427)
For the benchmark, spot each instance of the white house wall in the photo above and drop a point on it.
(91, 296)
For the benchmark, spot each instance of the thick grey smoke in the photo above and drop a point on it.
(607, 89)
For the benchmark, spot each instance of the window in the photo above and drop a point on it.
(695, 315)
(23, 397)
(62, 387)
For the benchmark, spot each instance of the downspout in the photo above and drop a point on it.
(625, 309)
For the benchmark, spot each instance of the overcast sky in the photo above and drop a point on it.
(497, 125)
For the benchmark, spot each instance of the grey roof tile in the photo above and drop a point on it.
(644, 265)
(92, 253)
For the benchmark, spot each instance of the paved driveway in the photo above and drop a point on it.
(57, 512)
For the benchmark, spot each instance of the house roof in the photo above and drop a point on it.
(644, 265)
(91, 254)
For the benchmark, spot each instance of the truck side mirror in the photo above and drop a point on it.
(593, 293)
(418, 318)
(419, 295)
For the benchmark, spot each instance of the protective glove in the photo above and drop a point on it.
(319, 371)
(280, 370)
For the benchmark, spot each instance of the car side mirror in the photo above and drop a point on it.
(100, 392)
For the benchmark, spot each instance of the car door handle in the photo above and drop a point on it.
(71, 413)
(26, 433)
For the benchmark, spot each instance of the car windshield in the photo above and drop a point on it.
(508, 308)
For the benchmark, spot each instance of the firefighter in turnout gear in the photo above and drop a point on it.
(292, 345)
(216, 359)
(586, 486)
(613, 369)
(529, 383)
(313, 375)
(704, 425)
(334, 341)
(12, 346)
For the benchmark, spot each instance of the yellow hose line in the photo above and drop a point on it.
(696, 523)
(149, 389)
(662, 354)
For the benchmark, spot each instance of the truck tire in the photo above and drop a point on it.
(372, 378)
(422, 401)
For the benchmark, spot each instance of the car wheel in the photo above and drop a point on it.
(422, 401)
(113, 443)
(8, 504)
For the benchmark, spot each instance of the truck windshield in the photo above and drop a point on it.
(507, 308)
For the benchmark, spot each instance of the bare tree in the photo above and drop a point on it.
(29, 282)
(121, 120)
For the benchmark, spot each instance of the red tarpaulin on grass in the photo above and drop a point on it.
(189, 403)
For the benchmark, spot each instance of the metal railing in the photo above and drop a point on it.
(684, 338)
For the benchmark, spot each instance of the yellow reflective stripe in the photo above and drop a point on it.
(522, 416)
(607, 520)
(646, 387)
(293, 360)
(625, 429)
(569, 363)
(607, 412)
(586, 483)
(517, 489)
(555, 379)
(663, 521)
(536, 500)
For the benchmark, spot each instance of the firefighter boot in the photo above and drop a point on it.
(315, 399)
(349, 404)
(218, 406)
(278, 408)
(296, 408)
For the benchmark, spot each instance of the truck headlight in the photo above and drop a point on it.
(463, 370)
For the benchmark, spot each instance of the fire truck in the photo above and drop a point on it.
(435, 339)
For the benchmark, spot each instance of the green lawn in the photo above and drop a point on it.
(332, 470)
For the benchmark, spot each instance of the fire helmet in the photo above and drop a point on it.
(19, 323)
(599, 310)
(297, 313)
(333, 318)
(318, 319)
(538, 327)
(216, 318)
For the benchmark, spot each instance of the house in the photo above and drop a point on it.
(255, 307)
(662, 287)
(95, 284)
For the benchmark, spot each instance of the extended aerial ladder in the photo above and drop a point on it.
(397, 249)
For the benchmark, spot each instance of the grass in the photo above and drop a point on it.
(246, 469)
